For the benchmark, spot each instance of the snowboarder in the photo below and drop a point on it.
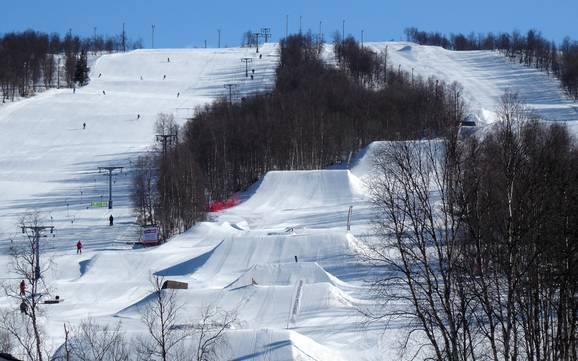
(22, 288)
(111, 220)
(79, 247)
(84, 125)
(103, 92)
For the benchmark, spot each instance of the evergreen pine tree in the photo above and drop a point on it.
(82, 69)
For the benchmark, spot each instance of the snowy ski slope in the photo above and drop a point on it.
(296, 310)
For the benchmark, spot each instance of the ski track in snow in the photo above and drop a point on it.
(48, 163)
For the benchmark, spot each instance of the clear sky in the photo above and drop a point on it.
(188, 23)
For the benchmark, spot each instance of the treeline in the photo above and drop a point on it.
(317, 115)
(31, 61)
(530, 49)
(479, 241)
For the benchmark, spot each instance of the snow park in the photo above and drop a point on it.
(295, 195)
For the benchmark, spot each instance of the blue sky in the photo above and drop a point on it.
(182, 23)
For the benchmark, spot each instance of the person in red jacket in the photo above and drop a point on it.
(22, 288)
(79, 247)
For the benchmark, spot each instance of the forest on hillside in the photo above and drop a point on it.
(316, 116)
(33, 61)
(530, 49)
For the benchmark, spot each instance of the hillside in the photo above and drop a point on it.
(292, 310)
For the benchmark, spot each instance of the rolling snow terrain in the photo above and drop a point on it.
(243, 259)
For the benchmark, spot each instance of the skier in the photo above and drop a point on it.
(296, 259)
(168, 60)
(22, 288)
(164, 77)
(111, 220)
(251, 76)
(178, 94)
(78, 247)
(253, 70)
(74, 90)
(99, 75)
(103, 92)
(84, 125)
(137, 116)
(141, 77)
(260, 56)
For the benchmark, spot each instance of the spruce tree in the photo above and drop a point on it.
(82, 69)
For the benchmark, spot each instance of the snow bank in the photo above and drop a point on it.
(282, 274)
(287, 190)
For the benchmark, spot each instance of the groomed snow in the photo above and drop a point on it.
(243, 259)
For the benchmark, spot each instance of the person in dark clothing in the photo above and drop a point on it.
(251, 76)
(253, 70)
(84, 125)
(260, 56)
(22, 288)
(111, 220)
(23, 308)
(138, 116)
(79, 247)
(103, 92)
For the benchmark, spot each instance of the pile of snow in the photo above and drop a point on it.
(287, 190)
(281, 274)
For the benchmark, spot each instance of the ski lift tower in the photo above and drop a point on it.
(36, 234)
(110, 171)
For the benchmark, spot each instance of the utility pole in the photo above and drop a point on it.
(257, 40)
(362, 38)
(343, 30)
(123, 39)
(110, 170)
(230, 86)
(411, 76)
(36, 230)
(205, 44)
(246, 61)
(165, 139)
(153, 36)
(58, 74)
(300, 18)
(219, 32)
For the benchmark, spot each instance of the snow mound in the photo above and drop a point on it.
(282, 345)
(236, 255)
(284, 274)
(406, 48)
(286, 190)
